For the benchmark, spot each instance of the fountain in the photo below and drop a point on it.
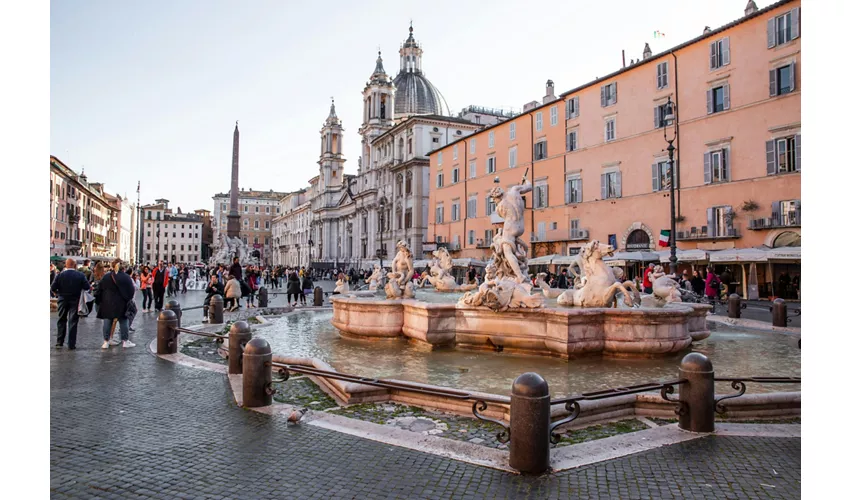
(600, 315)
(441, 274)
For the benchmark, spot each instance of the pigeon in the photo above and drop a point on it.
(296, 415)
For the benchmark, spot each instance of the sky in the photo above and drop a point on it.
(150, 91)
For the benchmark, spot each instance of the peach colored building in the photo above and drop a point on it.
(598, 157)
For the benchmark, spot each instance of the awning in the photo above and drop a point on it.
(634, 256)
(692, 255)
(739, 255)
(419, 264)
(784, 253)
(543, 260)
(564, 260)
(466, 262)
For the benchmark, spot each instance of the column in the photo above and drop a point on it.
(416, 234)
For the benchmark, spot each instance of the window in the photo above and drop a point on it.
(573, 194)
(782, 79)
(245, 223)
(472, 146)
(471, 239)
(455, 175)
(454, 152)
(491, 206)
(472, 208)
(223, 208)
(408, 218)
(472, 169)
(439, 215)
(719, 55)
(246, 209)
(717, 99)
(182, 235)
(572, 108)
(512, 157)
(268, 225)
(611, 185)
(268, 209)
(608, 94)
(513, 131)
(439, 158)
(455, 210)
(540, 150)
(182, 248)
(491, 139)
(783, 155)
(783, 28)
(148, 245)
(488, 237)
(538, 120)
(719, 223)
(149, 233)
(786, 213)
(661, 175)
(149, 215)
(174, 234)
(491, 164)
(610, 129)
(661, 75)
(572, 140)
(439, 179)
(257, 224)
(659, 113)
(716, 166)
(256, 240)
(553, 115)
(541, 194)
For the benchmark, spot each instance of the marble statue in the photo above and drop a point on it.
(599, 286)
(402, 272)
(377, 279)
(395, 290)
(506, 282)
(233, 247)
(665, 290)
(440, 274)
(341, 284)
(548, 292)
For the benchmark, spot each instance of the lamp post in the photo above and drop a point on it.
(381, 231)
(669, 120)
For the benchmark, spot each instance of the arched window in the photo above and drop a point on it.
(637, 240)
(787, 239)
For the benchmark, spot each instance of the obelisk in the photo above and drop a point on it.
(233, 214)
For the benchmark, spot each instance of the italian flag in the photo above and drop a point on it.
(664, 240)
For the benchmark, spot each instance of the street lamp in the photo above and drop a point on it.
(669, 119)
(381, 231)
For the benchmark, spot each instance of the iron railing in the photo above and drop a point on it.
(738, 383)
(218, 338)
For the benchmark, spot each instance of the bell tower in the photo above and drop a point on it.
(378, 104)
(331, 160)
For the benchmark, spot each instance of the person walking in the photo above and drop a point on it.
(235, 270)
(253, 286)
(698, 283)
(232, 293)
(213, 288)
(647, 285)
(68, 286)
(95, 275)
(306, 287)
(85, 269)
(159, 285)
(116, 291)
(712, 285)
(173, 280)
(293, 288)
(184, 277)
(562, 279)
(145, 283)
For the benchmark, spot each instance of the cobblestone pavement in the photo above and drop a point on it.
(125, 424)
(759, 310)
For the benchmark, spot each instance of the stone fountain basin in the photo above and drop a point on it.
(562, 332)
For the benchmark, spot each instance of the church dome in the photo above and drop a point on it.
(416, 95)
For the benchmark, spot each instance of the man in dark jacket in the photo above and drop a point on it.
(116, 291)
(68, 285)
(213, 288)
(160, 282)
(562, 280)
(235, 269)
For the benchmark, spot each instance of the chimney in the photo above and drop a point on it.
(530, 105)
(550, 92)
(647, 52)
(706, 30)
(751, 7)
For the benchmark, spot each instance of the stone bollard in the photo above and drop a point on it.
(257, 374)
(263, 297)
(734, 306)
(697, 393)
(166, 336)
(318, 296)
(173, 305)
(216, 310)
(529, 449)
(237, 338)
(780, 313)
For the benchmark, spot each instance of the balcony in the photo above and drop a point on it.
(73, 243)
(480, 243)
(579, 235)
(791, 219)
(703, 233)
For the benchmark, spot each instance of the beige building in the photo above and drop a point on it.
(291, 230)
(169, 236)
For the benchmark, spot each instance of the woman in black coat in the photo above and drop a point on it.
(293, 288)
(115, 291)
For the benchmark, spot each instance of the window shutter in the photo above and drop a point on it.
(545, 150)
(797, 151)
(604, 190)
(771, 32)
(772, 80)
(709, 101)
(770, 148)
(775, 208)
(712, 60)
(575, 115)
(545, 195)
(657, 117)
(793, 75)
(726, 165)
(729, 228)
(726, 96)
(658, 76)
(795, 23)
(709, 215)
(614, 93)
(578, 189)
(797, 209)
(727, 52)
(655, 179)
(602, 95)
(706, 158)
(618, 184)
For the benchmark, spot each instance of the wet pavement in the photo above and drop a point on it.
(125, 424)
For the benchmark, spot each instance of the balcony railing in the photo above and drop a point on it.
(706, 233)
(791, 219)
